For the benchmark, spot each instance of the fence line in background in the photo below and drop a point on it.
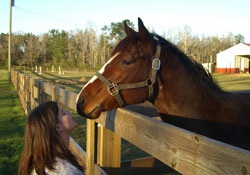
(187, 152)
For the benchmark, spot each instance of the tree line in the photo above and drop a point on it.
(85, 49)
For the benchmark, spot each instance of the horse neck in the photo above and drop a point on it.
(183, 94)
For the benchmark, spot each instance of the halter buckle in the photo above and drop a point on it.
(113, 89)
(156, 64)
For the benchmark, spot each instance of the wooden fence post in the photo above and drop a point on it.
(22, 94)
(109, 148)
(53, 95)
(31, 89)
(27, 94)
(109, 143)
(90, 147)
(17, 83)
(36, 91)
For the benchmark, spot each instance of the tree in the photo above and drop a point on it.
(58, 46)
(239, 39)
(3, 50)
(91, 47)
(45, 51)
(185, 40)
(31, 50)
(115, 32)
(18, 49)
(104, 49)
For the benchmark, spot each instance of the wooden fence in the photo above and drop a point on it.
(184, 151)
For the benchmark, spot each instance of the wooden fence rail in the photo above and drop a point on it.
(184, 151)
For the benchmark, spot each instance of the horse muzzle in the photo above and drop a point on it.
(81, 109)
(79, 105)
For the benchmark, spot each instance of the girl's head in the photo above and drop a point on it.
(41, 127)
(46, 121)
(47, 128)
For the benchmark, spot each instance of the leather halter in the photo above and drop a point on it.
(114, 89)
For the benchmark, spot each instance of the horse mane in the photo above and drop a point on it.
(192, 67)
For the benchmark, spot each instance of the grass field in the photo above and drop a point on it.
(233, 82)
(12, 121)
(12, 117)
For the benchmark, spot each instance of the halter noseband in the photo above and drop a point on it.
(114, 89)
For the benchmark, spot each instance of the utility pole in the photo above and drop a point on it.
(10, 39)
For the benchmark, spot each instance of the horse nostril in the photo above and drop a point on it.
(79, 105)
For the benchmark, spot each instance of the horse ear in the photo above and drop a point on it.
(128, 30)
(142, 29)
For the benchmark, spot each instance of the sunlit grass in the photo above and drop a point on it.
(12, 121)
(233, 82)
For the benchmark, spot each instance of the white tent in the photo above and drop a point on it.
(234, 59)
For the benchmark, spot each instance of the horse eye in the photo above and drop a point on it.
(126, 62)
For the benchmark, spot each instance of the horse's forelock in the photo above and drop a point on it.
(128, 41)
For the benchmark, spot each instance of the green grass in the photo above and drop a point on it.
(233, 82)
(12, 121)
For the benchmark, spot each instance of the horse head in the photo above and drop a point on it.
(127, 78)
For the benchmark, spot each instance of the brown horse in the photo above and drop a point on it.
(144, 66)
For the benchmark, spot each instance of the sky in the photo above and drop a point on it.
(204, 17)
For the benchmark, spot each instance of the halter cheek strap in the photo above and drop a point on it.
(114, 89)
(156, 64)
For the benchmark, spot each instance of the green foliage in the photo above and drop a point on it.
(3, 50)
(12, 121)
(58, 46)
(115, 32)
(239, 39)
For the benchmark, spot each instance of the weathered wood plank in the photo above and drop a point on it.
(90, 147)
(63, 96)
(81, 157)
(47, 88)
(184, 151)
(67, 98)
(108, 155)
(77, 150)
